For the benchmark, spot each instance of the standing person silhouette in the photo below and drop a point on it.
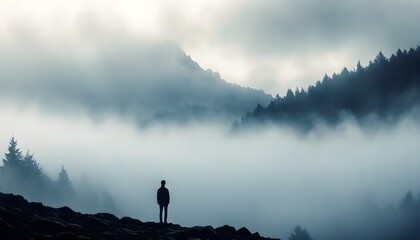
(163, 200)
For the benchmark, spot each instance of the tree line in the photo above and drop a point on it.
(385, 89)
(22, 174)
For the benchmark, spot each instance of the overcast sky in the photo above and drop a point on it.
(272, 45)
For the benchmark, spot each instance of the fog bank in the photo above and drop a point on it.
(268, 180)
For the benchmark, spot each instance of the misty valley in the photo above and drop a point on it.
(359, 192)
(338, 159)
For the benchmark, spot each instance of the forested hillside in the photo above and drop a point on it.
(22, 174)
(385, 89)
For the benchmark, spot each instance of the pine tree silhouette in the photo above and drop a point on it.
(12, 158)
(63, 187)
(300, 234)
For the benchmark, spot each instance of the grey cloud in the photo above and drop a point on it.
(125, 75)
(284, 26)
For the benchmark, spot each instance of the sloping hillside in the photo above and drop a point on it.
(385, 90)
(140, 80)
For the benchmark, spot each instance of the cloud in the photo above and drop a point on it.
(305, 39)
(267, 180)
(284, 27)
(301, 39)
(120, 74)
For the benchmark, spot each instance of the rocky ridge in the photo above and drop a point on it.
(20, 219)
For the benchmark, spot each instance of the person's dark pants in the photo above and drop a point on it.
(161, 208)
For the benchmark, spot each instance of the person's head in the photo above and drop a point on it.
(163, 182)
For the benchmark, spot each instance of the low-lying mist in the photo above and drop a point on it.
(268, 180)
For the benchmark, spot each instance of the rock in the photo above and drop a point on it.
(65, 211)
(13, 200)
(65, 235)
(22, 220)
(255, 236)
(226, 229)
(107, 216)
(96, 223)
(47, 226)
(244, 231)
(207, 232)
(226, 232)
(164, 238)
(125, 231)
(132, 221)
(36, 205)
(4, 227)
(39, 236)
(178, 234)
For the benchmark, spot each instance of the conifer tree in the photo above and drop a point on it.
(12, 158)
(63, 186)
(63, 178)
(408, 202)
(300, 234)
(359, 67)
(31, 168)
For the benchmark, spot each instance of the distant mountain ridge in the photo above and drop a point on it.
(147, 81)
(20, 219)
(385, 90)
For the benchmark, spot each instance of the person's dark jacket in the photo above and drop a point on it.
(163, 196)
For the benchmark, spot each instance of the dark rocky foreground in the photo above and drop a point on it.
(20, 219)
